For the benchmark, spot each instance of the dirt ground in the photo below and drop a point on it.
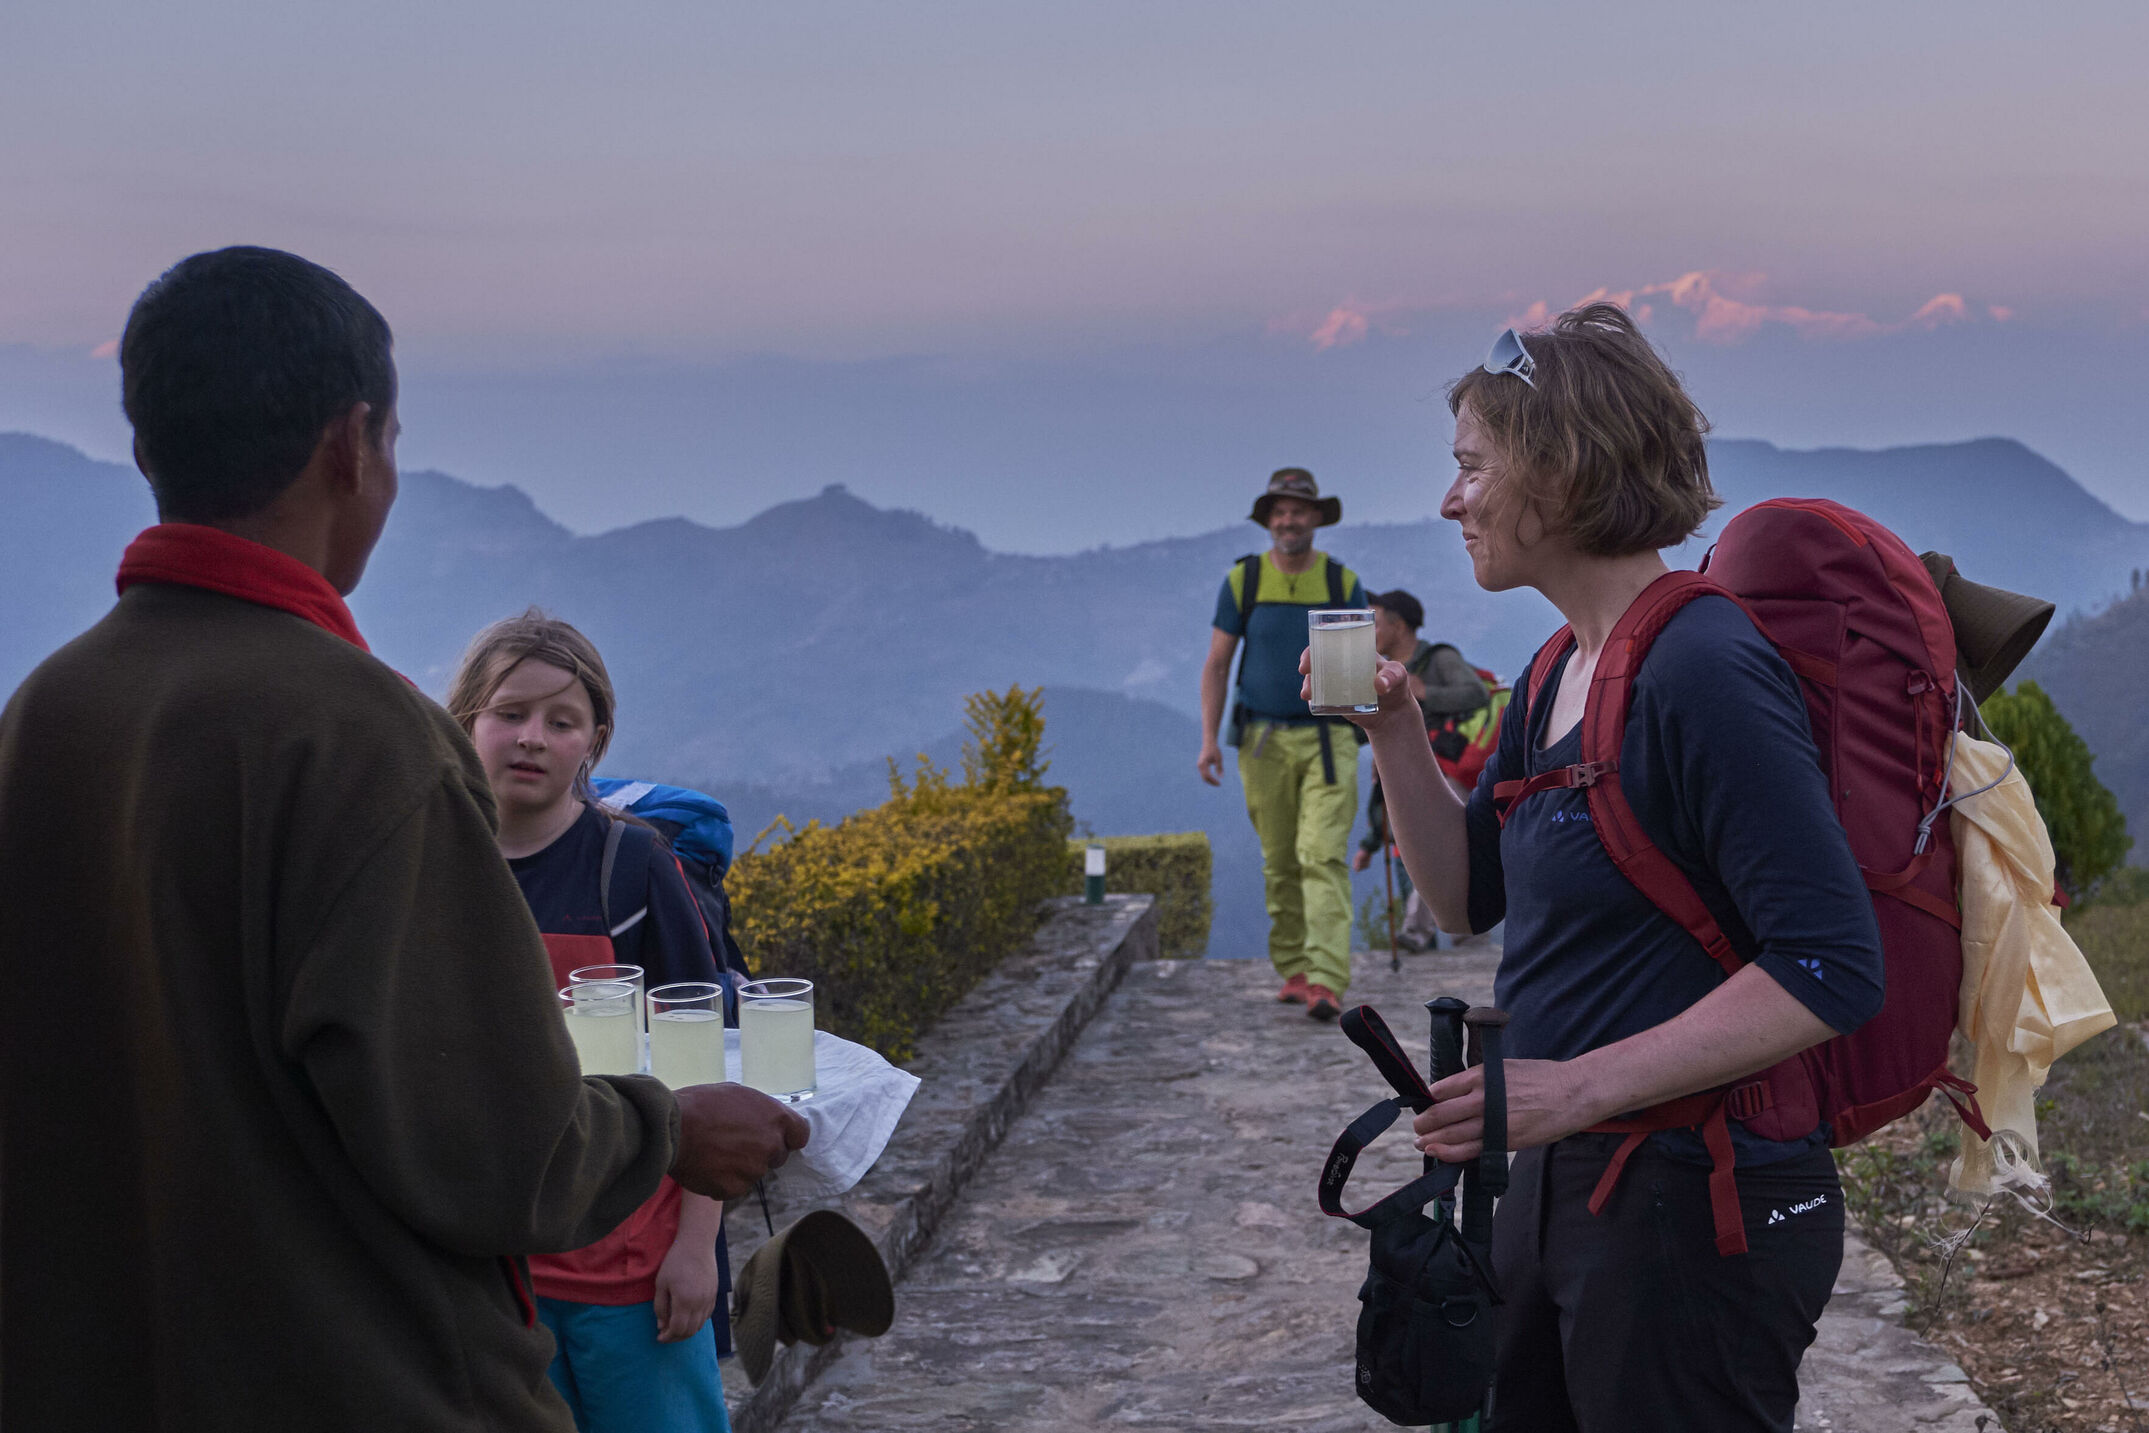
(2052, 1326)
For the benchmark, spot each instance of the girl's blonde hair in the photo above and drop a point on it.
(534, 636)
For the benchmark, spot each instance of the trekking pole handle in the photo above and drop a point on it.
(1447, 1047)
(1479, 1018)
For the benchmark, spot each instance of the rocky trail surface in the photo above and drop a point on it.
(1143, 1249)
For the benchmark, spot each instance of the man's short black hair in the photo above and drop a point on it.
(1407, 609)
(233, 363)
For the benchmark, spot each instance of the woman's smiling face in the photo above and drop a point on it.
(1484, 505)
(534, 735)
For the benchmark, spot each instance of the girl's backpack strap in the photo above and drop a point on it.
(623, 881)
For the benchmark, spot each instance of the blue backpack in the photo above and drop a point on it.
(698, 829)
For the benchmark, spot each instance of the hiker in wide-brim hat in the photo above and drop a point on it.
(1296, 483)
(1299, 771)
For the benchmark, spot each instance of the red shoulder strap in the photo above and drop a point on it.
(1604, 730)
(1506, 793)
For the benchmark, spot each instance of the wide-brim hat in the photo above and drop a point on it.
(1297, 483)
(814, 1277)
(1994, 628)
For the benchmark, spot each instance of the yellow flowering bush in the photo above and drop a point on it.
(896, 912)
(1173, 867)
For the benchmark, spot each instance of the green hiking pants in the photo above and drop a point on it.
(1304, 821)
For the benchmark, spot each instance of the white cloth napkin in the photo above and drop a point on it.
(858, 1097)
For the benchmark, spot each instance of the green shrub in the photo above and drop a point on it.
(898, 911)
(2089, 836)
(1174, 868)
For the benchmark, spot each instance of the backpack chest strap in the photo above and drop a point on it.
(1583, 774)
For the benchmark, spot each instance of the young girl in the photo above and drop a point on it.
(631, 1314)
(1579, 458)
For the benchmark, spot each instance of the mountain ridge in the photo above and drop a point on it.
(795, 650)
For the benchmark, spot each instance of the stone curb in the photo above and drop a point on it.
(980, 1065)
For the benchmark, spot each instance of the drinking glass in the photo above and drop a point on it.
(629, 975)
(776, 1038)
(686, 1033)
(1344, 662)
(601, 1020)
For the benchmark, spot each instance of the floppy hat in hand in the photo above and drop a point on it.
(1994, 628)
(814, 1277)
(1297, 483)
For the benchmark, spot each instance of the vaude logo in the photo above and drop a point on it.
(1777, 1216)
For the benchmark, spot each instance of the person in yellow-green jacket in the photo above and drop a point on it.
(1299, 771)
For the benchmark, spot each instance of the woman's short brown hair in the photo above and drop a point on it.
(1607, 446)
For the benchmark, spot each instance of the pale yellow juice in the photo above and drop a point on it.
(606, 1040)
(686, 1047)
(776, 1046)
(1344, 663)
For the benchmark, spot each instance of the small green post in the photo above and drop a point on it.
(1093, 875)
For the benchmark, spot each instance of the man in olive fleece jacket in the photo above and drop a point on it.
(284, 1090)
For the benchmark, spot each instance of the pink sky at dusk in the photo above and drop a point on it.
(1849, 223)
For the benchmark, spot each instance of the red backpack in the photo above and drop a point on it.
(1463, 744)
(1858, 619)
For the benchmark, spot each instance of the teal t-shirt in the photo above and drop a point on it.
(1274, 633)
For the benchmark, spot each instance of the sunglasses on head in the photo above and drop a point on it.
(1509, 356)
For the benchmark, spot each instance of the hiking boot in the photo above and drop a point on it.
(1293, 992)
(1321, 1003)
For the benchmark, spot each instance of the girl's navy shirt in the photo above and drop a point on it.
(560, 883)
(1719, 765)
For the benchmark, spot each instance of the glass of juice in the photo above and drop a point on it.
(776, 1038)
(629, 975)
(686, 1033)
(601, 1021)
(1344, 662)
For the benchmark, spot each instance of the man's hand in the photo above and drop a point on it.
(1361, 858)
(730, 1136)
(1211, 763)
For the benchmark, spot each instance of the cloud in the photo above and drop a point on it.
(108, 349)
(1940, 309)
(1343, 327)
(1346, 323)
(1730, 307)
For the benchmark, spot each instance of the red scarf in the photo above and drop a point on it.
(193, 556)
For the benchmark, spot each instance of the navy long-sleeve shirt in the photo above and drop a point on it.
(1719, 765)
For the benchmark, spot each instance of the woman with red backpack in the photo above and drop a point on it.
(1662, 1262)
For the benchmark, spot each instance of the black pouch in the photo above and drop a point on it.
(1425, 1347)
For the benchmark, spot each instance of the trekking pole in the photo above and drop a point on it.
(1447, 1059)
(1447, 1046)
(1486, 1180)
(1395, 952)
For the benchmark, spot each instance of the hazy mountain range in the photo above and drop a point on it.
(779, 662)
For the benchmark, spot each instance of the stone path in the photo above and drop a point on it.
(1143, 1250)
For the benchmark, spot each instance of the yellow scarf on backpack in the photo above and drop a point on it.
(2028, 996)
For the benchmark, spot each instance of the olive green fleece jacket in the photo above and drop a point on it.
(282, 1074)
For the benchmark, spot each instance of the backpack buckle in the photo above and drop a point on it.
(1585, 774)
(1743, 1102)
